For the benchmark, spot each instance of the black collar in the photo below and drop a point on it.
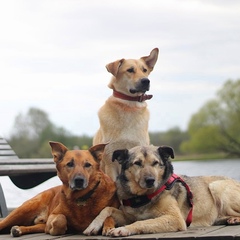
(81, 201)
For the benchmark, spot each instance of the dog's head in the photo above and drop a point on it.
(130, 76)
(76, 168)
(144, 169)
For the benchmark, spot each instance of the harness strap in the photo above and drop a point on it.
(139, 201)
(175, 178)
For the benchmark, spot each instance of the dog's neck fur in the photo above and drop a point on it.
(140, 98)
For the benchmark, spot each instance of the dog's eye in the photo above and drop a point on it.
(87, 165)
(70, 164)
(131, 70)
(138, 163)
(155, 163)
(144, 70)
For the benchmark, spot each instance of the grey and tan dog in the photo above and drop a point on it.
(124, 116)
(156, 200)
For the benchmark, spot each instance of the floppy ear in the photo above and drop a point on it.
(152, 58)
(97, 151)
(165, 152)
(120, 155)
(114, 66)
(58, 151)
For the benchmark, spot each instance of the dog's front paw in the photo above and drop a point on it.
(16, 231)
(233, 221)
(56, 225)
(120, 231)
(92, 229)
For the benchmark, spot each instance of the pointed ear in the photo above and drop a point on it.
(58, 151)
(120, 155)
(114, 66)
(165, 152)
(151, 59)
(97, 151)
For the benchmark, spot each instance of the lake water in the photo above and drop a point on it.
(230, 167)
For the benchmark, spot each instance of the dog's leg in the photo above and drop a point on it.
(56, 224)
(166, 223)
(24, 215)
(97, 223)
(17, 231)
(108, 224)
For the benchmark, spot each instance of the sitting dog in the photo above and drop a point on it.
(155, 200)
(84, 192)
(124, 116)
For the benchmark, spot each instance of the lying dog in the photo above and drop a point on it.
(155, 200)
(124, 116)
(85, 191)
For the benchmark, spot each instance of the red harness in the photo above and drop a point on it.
(139, 201)
(141, 98)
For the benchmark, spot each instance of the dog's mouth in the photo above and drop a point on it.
(78, 183)
(141, 87)
(133, 91)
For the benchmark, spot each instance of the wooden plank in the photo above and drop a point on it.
(3, 141)
(191, 233)
(25, 161)
(8, 157)
(35, 236)
(10, 167)
(5, 146)
(227, 232)
(201, 233)
(11, 170)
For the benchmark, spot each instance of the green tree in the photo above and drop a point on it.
(27, 128)
(215, 127)
(32, 132)
(172, 137)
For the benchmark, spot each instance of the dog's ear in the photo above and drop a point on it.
(58, 150)
(97, 151)
(120, 155)
(165, 152)
(151, 59)
(114, 66)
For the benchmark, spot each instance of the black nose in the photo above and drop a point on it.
(79, 182)
(149, 181)
(145, 82)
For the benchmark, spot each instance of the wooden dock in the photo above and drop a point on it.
(200, 233)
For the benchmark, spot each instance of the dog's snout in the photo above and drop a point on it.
(145, 82)
(149, 181)
(78, 182)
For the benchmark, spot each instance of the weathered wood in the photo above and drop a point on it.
(12, 167)
(201, 233)
(24, 173)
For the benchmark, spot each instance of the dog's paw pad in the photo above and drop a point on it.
(16, 231)
(233, 221)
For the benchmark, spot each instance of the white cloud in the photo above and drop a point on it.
(54, 52)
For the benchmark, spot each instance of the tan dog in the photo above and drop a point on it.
(156, 200)
(85, 191)
(124, 116)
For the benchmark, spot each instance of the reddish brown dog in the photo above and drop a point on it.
(71, 207)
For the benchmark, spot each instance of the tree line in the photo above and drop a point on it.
(214, 128)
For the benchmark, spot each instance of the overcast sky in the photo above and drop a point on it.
(53, 55)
